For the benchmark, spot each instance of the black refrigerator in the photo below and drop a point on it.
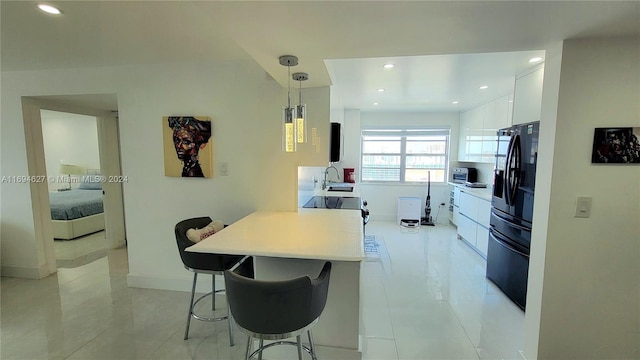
(512, 210)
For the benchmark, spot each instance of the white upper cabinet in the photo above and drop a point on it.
(478, 130)
(470, 141)
(527, 101)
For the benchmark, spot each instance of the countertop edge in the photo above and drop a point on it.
(481, 193)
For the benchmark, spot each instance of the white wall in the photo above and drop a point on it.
(69, 139)
(383, 198)
(245, 107)
(588, 303)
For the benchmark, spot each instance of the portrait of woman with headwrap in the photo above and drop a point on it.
(190, 135)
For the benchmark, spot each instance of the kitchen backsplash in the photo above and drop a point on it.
(485, 170)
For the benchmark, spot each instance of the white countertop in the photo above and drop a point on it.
(482, 193)
(324, 234)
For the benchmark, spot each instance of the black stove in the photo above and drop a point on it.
(337, 202)
(334, 202)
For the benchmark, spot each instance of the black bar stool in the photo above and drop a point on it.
(277, 310)
(200, 263)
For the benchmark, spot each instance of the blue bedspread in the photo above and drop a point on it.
(74, 204)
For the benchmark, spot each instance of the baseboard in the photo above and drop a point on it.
(174, 284)
(23, 272)
(383, 217)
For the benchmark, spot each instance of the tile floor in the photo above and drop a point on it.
(424, 297)
(80, 251)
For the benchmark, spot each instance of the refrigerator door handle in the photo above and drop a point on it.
(511, 223)
(517, 151)
(513, 170)
(505, 245)
(507, 172)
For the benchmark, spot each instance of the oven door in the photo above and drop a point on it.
(459, 178)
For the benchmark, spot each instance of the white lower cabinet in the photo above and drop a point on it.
(456, 215)
(482, 240)
(473, 221)
(467, 229)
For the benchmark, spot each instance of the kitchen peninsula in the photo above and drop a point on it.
(290, 244)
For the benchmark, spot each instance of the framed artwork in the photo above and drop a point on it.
(187, 146)
(616, 146)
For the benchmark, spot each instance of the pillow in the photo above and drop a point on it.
(91, 182)
(197, 235)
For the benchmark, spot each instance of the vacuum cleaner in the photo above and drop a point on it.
(427, 219)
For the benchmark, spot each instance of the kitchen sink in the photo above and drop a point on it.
(341, 188)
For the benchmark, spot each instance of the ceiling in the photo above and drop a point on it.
(340, 43)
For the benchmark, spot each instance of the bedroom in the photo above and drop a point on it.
(75, 190)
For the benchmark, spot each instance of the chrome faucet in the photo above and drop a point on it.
(326, 171)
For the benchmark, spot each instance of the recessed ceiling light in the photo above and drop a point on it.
(381, 90)
(535, 59)
(375, 104)
(483, 87)
(49, 9)
(389, 66)
(454, 102)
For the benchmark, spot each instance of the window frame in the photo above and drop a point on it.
(405, 134)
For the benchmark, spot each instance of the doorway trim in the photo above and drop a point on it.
(109, 150)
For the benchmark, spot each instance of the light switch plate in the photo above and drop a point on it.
(583, 207)
(224, 168)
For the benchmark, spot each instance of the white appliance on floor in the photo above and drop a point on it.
(409, 211)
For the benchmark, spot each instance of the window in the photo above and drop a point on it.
(405, 155)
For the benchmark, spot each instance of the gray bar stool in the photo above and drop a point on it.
(277, 310)
(200, 263)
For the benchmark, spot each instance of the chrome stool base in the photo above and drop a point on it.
(262, 347)
(193, 304)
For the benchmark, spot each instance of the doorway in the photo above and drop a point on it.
(102, 108)
(72, 160)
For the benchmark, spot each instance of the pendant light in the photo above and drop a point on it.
(301, 109)
(288, 125)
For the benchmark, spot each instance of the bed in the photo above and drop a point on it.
(77, 212)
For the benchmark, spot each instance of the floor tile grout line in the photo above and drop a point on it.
(386, 296)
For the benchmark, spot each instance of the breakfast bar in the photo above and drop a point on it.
(290, 244)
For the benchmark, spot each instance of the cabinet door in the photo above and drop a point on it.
(468, 205)
(482, 240)
(470, 141)
(527, 100)
(456, 215)
(510, 111)
(489, 131)
(502, 119)
(467, 229)
(484, 212)
(462, 138)
(456, 196)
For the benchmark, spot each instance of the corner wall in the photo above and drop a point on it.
(589, 300)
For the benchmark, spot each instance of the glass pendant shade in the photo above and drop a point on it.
(288, 131)
(301, 131)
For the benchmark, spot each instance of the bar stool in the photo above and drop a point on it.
(200, 263)
(277, 310)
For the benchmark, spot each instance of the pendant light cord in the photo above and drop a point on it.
(289, 85)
